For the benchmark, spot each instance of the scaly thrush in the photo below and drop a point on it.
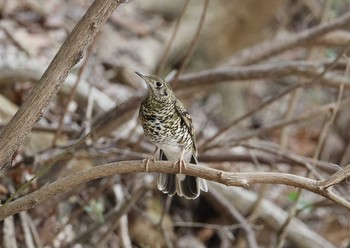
(168, 125)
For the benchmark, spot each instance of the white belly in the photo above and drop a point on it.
(173, 153)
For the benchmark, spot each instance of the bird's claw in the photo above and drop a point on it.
(145, 162)
(181, 163)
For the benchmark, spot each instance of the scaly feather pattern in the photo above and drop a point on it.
(167, 123)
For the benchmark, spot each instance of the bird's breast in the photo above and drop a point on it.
(166, 130)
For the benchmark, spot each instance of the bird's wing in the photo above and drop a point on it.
(185, 116)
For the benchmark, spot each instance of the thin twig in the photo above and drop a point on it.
(115, 214)
(336, 178)
(282, 232)
(322, 137)
(171, 40)
(192, 46)
(334, 113)
(294, 158)
(326, 68)
(29, 242)
(43, 170)
(292, 103)
(249, 232)
(120, 219)
(271, 156)
(332, 181)
(305, 117)
(75, 214)
(299, 234)
(210, 140)
(73, 92)
(271, 48)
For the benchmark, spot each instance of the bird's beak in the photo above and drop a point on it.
(144, 77)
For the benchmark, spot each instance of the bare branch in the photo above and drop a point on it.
(298, 234)
(272, 47)
(279, 124)
(337, 177)
(166, 51)
(228, 178)
(192, 46)
(224, 74)
(223, 203)
(268, 70)
(68, 55)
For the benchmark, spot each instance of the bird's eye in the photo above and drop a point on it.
(158, 84)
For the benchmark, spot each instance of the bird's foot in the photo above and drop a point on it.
(145, 162)
(181, 163)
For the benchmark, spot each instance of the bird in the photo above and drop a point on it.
(167, 123)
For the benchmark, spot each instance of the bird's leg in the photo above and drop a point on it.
(181, 161)
(147, 160)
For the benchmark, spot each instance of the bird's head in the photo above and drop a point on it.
(158, 89)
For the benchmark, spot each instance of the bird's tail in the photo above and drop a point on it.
(187, 186)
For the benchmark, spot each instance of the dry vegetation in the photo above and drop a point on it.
(266, 83)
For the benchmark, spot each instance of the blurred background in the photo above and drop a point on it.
(260, 85)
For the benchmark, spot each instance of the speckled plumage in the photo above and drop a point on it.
(168, 125)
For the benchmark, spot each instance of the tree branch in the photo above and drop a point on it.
(69, 54)
(336, 178)
(228, 178)
(270, 48)
(225, 74)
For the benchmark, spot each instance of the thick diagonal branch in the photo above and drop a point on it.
(69, 54)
